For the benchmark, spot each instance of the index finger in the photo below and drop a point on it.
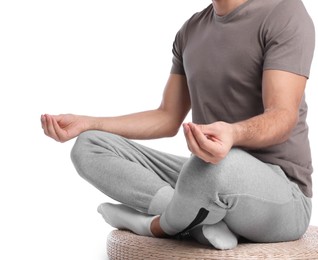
(206, 143)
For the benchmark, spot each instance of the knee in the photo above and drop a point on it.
(79, 147)
(195, 178)
(89, 146)
(78, 151)
(81, 150)
(199, 176)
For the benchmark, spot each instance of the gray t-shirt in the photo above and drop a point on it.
(224, 57)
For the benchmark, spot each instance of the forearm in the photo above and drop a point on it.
(143, 125)
(162, 122)
(270, 128)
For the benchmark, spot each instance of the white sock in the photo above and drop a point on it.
(220, 236)
(123, 217)
(217, 235)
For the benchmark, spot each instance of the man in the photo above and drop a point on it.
(242, 67)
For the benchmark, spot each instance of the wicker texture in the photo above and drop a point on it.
(124, 245)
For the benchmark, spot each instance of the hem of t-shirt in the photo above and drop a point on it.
(287, 68)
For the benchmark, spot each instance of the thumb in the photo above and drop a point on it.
(205, 129)
(211, 131)
(59, 117)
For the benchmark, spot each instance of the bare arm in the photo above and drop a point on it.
(282, 94)
(164, 121)
(161, 122)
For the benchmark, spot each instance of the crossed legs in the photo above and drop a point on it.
(256, 200)
(242, 194)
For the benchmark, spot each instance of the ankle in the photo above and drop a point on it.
(156, 229)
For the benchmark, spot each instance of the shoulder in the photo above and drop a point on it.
(288, 16)
(205, 13)
(288, 38)
(287, 10)
(196, 18)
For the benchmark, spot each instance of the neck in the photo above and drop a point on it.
(224, 7)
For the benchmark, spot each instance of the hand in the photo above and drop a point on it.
(210, 142)
(62, 127)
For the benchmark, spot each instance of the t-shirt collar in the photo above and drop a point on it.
(225, 18)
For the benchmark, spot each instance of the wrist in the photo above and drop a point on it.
(237, 130)
(89, 123)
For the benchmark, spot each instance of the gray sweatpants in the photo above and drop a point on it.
(256, 200)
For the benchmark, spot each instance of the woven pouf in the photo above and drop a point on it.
(124, 245)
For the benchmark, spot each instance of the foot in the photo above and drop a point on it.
(217, 235)
(123, 217)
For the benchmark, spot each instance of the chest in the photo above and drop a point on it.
(218, 53)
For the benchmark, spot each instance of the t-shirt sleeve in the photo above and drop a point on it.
(289, 39)
(177, 50)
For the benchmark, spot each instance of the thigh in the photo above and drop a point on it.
(106, 145)
(261, 202)
(255, 199)
(261, 220)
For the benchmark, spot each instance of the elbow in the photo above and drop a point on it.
(284, 138)
(173, 131)
(290, 126)
(174, 127)
(169, 123)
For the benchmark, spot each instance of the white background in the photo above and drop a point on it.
(84, 57)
